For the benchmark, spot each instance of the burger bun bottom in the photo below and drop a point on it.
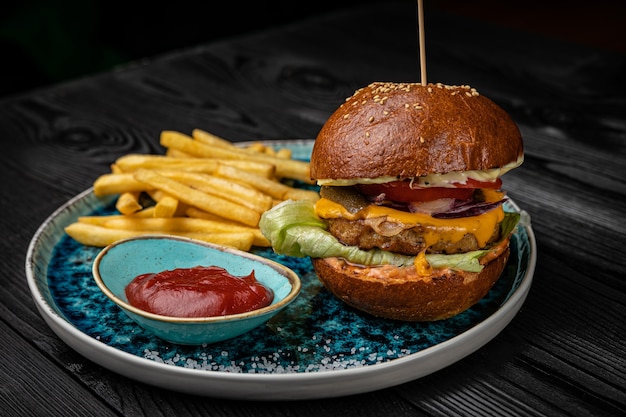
(398, 293)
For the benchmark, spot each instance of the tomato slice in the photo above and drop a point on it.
(402, 191)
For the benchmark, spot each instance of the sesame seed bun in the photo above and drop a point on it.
(408, 130)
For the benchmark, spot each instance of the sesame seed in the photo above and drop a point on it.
(345, 116)
(421, 139)
(371, 119)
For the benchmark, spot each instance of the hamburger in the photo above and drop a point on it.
(410, 224)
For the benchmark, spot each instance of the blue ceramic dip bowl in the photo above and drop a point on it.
(119, 263)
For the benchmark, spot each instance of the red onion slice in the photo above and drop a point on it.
(468, 210)
(435, 206)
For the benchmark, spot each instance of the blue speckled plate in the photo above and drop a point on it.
(316, 348)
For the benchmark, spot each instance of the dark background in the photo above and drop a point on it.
(46, 42)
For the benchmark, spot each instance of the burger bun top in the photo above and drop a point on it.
(408, 130)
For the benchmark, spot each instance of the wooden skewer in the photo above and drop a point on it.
(422, 41)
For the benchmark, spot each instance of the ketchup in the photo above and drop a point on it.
(200, 291)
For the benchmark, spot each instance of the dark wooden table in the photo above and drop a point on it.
(564, 352)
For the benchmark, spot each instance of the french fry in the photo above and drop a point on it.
(166, 207)
(285, 168)
(198, 221)
(115, 169)
(300, 194)
(143, 213)
(107, 184)
(274, 189)
(257, 147)
(209, 138)
(100, 236)
(213, 140)
(234, 191)
(133, 162)
(140, 214)
(164, 225)
(127, 203)
(195, 212)
(175, 153)
(196, 198)
(239, 240)
(102, 220)
(181, 142)
(259, 238)
(176, 225)
(156, 194)
(284, 153)
(94, 235)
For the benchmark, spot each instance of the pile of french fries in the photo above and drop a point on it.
(203, 187)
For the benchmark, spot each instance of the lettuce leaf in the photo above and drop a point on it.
(293, 229)
(508, 223)
(468, 261)
(275, 224)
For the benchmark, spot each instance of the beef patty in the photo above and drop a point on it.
(399, 239)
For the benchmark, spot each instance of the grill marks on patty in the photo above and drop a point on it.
(409, 241)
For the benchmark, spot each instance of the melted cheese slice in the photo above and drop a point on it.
(452, 230)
